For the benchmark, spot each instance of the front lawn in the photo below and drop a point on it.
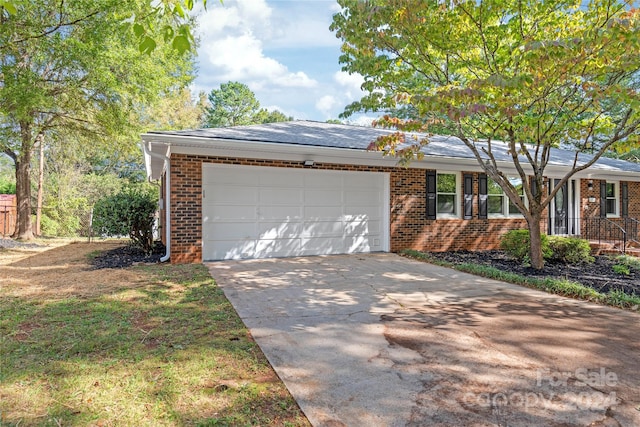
(149, 345)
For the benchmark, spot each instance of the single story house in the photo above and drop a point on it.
(309, 188)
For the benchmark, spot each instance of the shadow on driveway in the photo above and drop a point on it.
(382, 340)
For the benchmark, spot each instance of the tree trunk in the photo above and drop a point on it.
(40, 140)
(537, 260)
(23, 186)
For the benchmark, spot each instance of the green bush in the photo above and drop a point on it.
(130, 212)
(570, 250)
(517, 244)
(7, 186)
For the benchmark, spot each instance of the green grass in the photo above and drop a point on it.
(551, 285)
(171, 351)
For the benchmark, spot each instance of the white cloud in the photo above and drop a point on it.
(326, 104)
(231, 47)
(351, 83)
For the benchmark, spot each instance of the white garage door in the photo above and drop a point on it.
(264, 212)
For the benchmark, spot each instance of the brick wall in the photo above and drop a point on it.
(409, 227)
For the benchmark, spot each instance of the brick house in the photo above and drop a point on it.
(308, 188)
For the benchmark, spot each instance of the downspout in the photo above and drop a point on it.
(167, 198)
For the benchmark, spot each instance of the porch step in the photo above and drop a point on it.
(610, 248)
(603, 248)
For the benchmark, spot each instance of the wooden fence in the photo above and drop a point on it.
(7, 214)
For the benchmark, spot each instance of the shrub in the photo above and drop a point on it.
(570, 250)
(130, 212)
(517, 244)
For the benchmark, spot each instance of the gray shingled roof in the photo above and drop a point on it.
(319, 134)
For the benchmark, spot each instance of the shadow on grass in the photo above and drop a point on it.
(170, 352)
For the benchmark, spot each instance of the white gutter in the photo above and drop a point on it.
(167, 197)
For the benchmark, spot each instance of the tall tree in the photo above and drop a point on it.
(70, 65)
(176, 110)
(234, 104)
(533, 74)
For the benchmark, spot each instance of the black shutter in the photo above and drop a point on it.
(468, 196)
(625, 199)
(603, 199)
(431, 195)
(482, 196)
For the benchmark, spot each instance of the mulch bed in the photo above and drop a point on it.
(128, 255)
(598, 275)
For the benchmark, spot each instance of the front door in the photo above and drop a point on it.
(563, 210)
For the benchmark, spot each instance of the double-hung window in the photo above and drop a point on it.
(443, 195)
(498, 203)
(447, 195)
(611, 199)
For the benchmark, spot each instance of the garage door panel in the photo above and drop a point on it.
(280, 213)
(283, 229)
(229, 231)
(322, 246)
(232, 195)
(228, 177)
(287, 178)
(221, 249)
(281, 196)
(361, 244)
(316, 213)
(271, 248)
(367, 210)
(312, 229)
(260, 212)
(329, 197)
(323, 179)
(362, 198)
(230, 212)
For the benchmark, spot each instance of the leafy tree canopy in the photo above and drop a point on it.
(234, 104)
(71, 71)
(176, 28)
(535, 75)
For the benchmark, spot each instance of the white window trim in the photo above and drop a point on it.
(458, 194)
(616, 192)
(505, 205)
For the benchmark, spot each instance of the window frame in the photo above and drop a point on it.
(615, 198)
(506, 202)
(457, 196)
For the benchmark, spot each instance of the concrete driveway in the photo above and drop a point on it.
(380, 340)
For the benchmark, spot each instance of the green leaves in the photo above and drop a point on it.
(234, 104)
(9, 6)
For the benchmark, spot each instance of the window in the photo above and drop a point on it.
(498, 203)
(447, 195)
(442, 195)
(611, 198)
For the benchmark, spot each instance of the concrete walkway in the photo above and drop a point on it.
(380, 340)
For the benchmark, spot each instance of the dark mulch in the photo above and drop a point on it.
(127, 255)
(598, 275)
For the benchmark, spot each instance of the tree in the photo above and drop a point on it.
(234, 104)
(67, 67)
(173, 14)
(534, 75)
(273, 116)
(176, 110)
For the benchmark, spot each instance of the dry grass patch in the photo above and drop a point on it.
(147, 345)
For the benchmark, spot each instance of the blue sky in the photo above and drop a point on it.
(283, 50)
